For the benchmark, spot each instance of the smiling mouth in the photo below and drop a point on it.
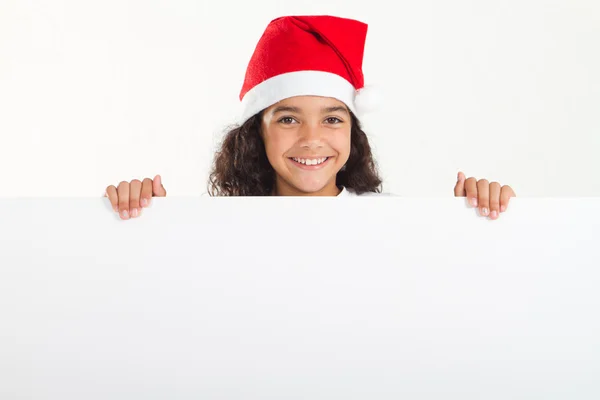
(309, 162)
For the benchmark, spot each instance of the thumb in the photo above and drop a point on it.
(158, 189)
(459, 188)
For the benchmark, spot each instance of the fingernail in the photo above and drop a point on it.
(124, 214)
(134, 213)
(116, 209)
(494, 214)
(502, 208)
(484, 211)
(144, 202)
(474, 201)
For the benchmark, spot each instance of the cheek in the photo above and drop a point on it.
(277, 143)
(341, 143)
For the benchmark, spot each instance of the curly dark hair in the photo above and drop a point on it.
(241, 167)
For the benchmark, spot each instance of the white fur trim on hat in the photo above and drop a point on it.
(368, 99)
(299, 83)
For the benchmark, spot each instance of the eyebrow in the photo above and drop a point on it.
(298, 110)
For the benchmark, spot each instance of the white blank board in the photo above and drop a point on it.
(297, 298)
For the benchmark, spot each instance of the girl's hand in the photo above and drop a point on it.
(491, 198)
(128, 199)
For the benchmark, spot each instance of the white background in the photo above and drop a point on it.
(92, 93)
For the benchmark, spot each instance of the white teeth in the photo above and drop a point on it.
(310, 161)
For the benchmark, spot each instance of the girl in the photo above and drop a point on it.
(299, 133)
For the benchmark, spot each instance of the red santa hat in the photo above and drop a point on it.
(317, 55)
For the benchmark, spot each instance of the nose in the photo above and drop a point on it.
(311, 136)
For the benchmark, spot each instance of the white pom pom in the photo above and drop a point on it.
(367, 99)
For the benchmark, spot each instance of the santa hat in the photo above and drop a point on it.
(317, 55)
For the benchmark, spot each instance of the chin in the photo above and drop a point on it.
(311, 186)
(309, 181)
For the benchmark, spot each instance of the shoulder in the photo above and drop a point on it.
(351, 193)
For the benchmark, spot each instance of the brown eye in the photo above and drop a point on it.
(286, 120)
(333, 120)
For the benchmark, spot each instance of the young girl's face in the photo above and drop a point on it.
(307, 141)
